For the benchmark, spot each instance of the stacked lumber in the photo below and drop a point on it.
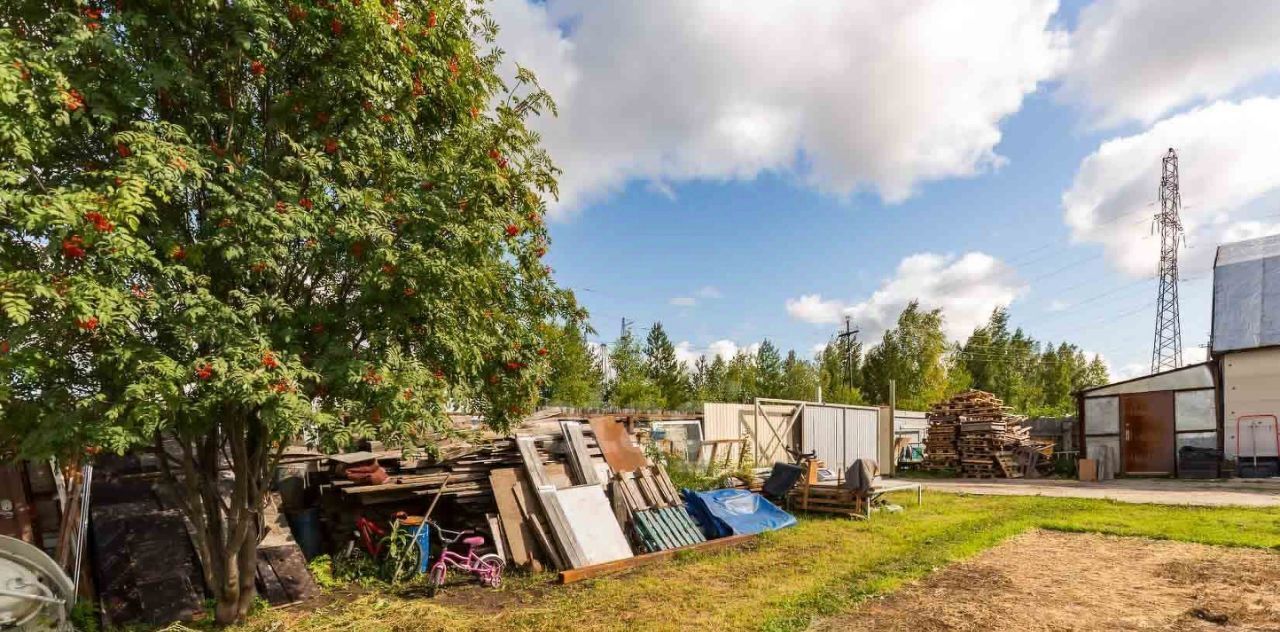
(975, 433)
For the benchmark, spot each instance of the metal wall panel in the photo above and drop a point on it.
(862, 434)
(1194, 410)
(821, 432)
(1102, 416)
(1246, 284)
(1250, 386)
(840, 435)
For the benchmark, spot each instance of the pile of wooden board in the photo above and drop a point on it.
(572, 494)
(975, 434)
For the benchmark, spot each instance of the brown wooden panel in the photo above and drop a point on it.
(1147, 438)
(615, 444)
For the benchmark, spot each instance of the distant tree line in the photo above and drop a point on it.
(1035, 378)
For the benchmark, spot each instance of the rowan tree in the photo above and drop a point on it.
(227, 224)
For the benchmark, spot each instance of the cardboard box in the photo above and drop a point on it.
(1088, 469)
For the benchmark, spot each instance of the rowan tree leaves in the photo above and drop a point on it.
(188, 189)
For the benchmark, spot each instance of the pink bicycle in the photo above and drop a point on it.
(487, 567)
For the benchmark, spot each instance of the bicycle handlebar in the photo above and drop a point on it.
(456, 535)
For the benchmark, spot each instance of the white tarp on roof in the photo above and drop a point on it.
(1246, 295)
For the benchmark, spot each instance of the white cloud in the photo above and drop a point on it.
(710, 292)
(686, 354)
(1057, 305)
(1227, 176)
(965, 288)
(725, 349)
(811, 308)
(1140, 60)
(684, 301)
(842, 95)
(1128, 371)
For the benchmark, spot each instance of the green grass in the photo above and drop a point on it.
(821, 567)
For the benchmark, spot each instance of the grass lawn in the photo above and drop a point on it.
(823, 566)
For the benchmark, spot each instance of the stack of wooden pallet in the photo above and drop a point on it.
(975, 433)
(940, 452)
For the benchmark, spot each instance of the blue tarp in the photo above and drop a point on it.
(725, 512)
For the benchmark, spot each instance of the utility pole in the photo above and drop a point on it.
(847, 338)
(625, 324)
(1166, 351)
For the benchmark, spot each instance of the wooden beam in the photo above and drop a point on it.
(579, 457)
(570, 576)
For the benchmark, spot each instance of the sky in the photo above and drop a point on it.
(758, 169)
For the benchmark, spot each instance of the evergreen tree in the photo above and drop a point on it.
(631, 386)
(769, 371)
(714, 388)
(666, 372)
(799, 379)
(575, 378)
(740, 381)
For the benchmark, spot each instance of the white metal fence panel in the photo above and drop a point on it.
(839, 436)
(862, 435)
(822, 430)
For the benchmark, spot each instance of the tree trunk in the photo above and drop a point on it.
(225, 518)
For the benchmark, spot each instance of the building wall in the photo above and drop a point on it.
(1250, 386)
(1194, 409)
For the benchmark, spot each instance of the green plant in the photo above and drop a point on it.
(224, 224)
(400, 554)
(321, 568)
(84, 616)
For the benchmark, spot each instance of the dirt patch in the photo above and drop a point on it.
(1055, 581)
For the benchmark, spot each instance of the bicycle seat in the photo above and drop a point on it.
(474, 540)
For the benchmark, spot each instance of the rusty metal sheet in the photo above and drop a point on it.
(615, 443)
(1148, 445)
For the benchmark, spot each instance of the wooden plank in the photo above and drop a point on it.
(579, 459)
(499, 537)
(269, 585)
(532, 462)
(524, 496)
(519, 535)
(633, 492)
(664, 480)
(558, 528)
(649, 489)
(587, 572)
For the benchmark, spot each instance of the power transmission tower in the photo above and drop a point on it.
(847, 338)
(1166, 352)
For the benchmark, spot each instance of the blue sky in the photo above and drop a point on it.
(1023, 175)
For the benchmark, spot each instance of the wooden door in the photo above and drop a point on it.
(1146, 426)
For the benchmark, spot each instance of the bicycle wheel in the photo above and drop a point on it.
(491, 566)
(435, 579)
